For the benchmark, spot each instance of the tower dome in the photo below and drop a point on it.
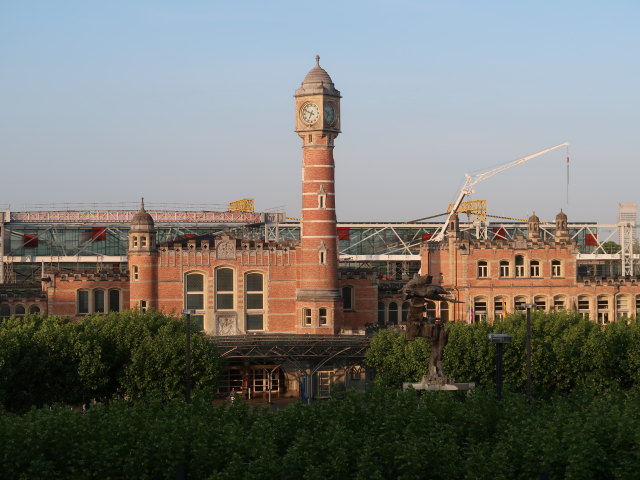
(534, 218)
(317, 81)
(561, 217)
(142, 221)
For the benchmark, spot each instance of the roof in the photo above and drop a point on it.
(317, 81)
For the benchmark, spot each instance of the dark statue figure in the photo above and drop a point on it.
(418, 291)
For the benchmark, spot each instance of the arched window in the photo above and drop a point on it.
(405, 311)
(20, 311)
(347, 298)
(520, 302)
(504, 268)
(623, 307)
(194, 291)
(393, 313)
(499, 307)
(431, 309)
(5, 311)
(98, 301)
(224, 289)
(483, 269)
(34, 309)
(519, 266)
(194, 298)
(479, 309)
(82, 297)
(114, 300)
(444, 311)
(540, 302)
(584, 306)
(603, 308)
(560, 302)
(556, 268)
(534, 268)
(254, 301)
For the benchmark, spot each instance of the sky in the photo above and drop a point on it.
(191, 102)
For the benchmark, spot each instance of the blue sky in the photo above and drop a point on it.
(192, 102)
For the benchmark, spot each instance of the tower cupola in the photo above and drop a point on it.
(142, 234)
(534, 226)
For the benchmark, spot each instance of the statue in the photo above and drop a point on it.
(418, 291)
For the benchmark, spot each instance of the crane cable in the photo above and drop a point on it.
(567, 174)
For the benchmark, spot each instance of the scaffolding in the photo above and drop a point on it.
(95, 239)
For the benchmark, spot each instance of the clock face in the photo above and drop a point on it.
(310, 113)
(329, 114)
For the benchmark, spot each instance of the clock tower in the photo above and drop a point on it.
(318, 297)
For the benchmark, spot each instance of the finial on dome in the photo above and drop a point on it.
(142, 203)
(318, 60)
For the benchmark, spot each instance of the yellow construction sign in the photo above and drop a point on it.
(244, 205)
(473, 208)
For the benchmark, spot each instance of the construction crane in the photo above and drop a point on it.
(473, 180)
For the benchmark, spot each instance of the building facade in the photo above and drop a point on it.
(492, 278)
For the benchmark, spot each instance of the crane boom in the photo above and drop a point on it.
(475, 179)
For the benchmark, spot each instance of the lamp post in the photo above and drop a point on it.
(187, 367)
(499, 339)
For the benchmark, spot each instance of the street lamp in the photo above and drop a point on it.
(187, 312)
(499, 339)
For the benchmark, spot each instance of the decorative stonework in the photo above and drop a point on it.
(226, 251)
(227, 324)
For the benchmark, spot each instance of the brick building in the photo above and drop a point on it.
(495, 277)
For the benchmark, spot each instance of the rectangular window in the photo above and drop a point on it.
(324, 383)
(197, 323)
(555, 269)
(306, 316)
(254, 322)
(535, 269)
(483, 270)
(347, 298)
(195, 301)
(136, 272)
(254, 300)
(143, 306)
(224, 289)
(322, 316)
(254, 288)
(504, 269)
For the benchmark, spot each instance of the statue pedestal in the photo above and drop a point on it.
(436, 384)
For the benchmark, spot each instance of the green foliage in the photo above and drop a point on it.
(397, 360)
(378, 435)
(52, 360)
(567, 352)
